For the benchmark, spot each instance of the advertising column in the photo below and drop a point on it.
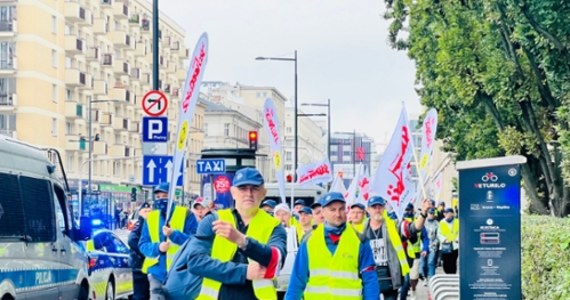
(490, 228)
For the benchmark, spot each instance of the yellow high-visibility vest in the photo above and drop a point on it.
(410, 249)
(260, 229)
(333, 276)
(396, 243)
(359, 226)
(153, 221)
(451, 234)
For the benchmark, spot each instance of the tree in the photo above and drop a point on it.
(498, 72)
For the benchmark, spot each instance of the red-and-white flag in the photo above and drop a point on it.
(314, 173)
(338, 185)
(393, 178)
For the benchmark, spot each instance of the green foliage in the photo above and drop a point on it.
(498, 72)
(545, 257)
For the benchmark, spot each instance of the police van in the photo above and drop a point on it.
(40, 252)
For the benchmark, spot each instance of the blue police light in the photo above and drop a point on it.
(96, 222)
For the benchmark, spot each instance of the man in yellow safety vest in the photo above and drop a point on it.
(161, 238)
(236, 252)
(334, 262)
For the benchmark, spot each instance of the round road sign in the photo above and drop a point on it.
(154, 103)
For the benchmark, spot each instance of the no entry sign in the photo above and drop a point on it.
(154, 103)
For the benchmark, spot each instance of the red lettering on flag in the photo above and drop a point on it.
(397, 169)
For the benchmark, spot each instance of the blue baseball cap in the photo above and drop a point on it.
(268, 202)
(431, 210)
(248, 176)
(306, 210)
(332, 197)
(449, 209)
(410, 206)
(376, 200)
(299, 201)
(359, 205)
(162, 187)
(316, 203)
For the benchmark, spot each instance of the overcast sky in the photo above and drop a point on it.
(342, 49)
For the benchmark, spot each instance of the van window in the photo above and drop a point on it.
(28, 208)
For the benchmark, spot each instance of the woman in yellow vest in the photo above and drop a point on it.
(449, 241)
(333, 262)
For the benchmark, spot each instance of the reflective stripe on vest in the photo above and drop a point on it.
(152, 222)
(451, 234)
(260, 229)
(333, 275)
(397, 243)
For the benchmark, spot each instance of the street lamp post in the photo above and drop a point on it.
(294, 59)
(90, 141)
(328, 105)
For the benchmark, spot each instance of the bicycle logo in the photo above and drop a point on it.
(490, 176)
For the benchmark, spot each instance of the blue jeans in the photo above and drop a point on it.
(405, 288)
(432, 263)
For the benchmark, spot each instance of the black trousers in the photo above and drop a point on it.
(450, 262)
(141, 287)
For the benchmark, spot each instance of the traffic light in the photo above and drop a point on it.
(252, 140)
(134, 194)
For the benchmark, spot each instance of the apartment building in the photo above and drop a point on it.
(70, 66)
(311, 143)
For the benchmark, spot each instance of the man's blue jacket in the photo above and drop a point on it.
(150, 249)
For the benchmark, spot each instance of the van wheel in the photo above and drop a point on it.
(83, 291)
(110, 292)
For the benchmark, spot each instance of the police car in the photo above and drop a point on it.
(110, 274)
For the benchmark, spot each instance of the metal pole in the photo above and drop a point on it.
(329, 129)
(155, 42)
(90, 122)
(354, 153)
(296, 129)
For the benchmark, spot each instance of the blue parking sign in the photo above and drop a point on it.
(155, 129)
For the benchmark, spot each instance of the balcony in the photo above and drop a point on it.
(92, 54)
(118, 150)
(8, 28)
(120, 94)
(73, 110)
(75, 78)
(141, 50)
(120, 67)
(106, 4)
(100, 148)
(135, 74)
(100, 26)
(100, 87)
(73, 12)
(8, 101)
(134, 20)
(117, 123)
(120, 39)
(73, 143)
(145, 25)
(175, 46)
(120, 10)
(104, 118)
(135, 126)
(73, 45)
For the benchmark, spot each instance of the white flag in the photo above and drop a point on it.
(393, 178)
(272, 127)
(429, 129)
(314, 173)
(338, 185)
(187, 107)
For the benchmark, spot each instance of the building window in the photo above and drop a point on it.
(54, 93)
(68, 128)
(54, 127)
(205, 129)
(53, 24)
(345, 153)
(226, 129)
(54, 58)
(68, 95)
(289, 129)
(288, 155)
